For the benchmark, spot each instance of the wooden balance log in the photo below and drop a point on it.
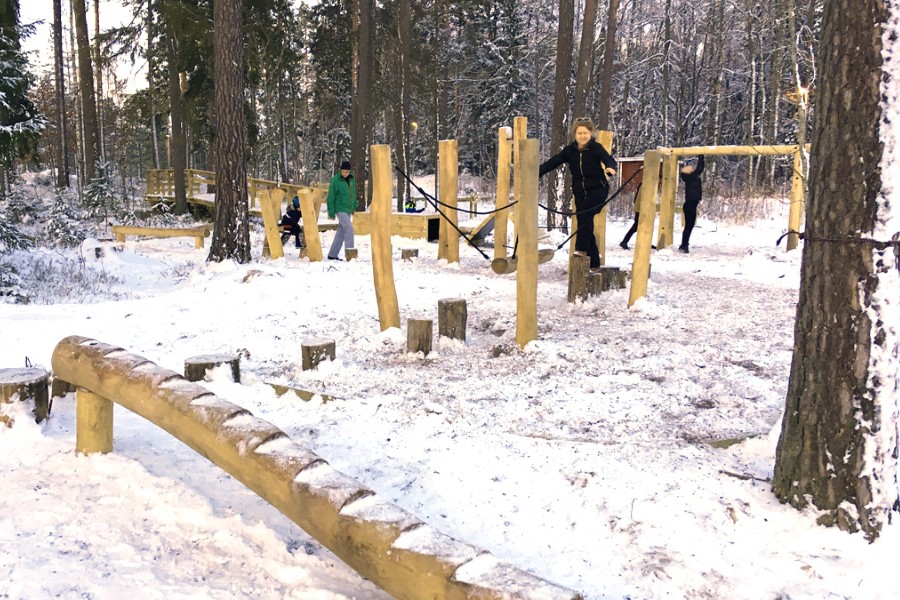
(27, 385)
(505, 266)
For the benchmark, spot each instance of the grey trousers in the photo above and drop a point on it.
(343, 235)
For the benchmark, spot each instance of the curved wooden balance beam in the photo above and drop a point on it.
(505, 266)
(384, 543)
(198, 233)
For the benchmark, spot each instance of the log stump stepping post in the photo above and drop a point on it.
(351, 254)
(409, 253)
(195, 367)
(452, 316)
(418, 335)
(59, 388)
(27, 385)
(314, 352)
(578, 278)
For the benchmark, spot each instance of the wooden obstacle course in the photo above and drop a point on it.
(195, 367)
(418, 335)
(29, 385)
(198, 233)
(314, 352)
(452, 317)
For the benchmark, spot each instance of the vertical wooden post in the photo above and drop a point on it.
(448, 157)
(667, 202)
(640, 268)
(310, 225)
(526, 230)
(504, 157)
(270, 206)
(520, 132)
(93, 423)
(605, 139)
(797, 184)
(382, 263)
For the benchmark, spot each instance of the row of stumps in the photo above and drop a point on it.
(584, 283)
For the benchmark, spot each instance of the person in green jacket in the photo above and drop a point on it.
(341, 204)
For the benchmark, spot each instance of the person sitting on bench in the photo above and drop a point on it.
(290, 224)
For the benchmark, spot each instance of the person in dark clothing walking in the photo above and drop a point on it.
(693, 193)
(637, 215)
(590, 165)
(290, 224)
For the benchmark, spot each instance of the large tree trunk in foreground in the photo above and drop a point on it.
(838, 446)
(231, 238)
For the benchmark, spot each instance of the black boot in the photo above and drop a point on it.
(684, 248)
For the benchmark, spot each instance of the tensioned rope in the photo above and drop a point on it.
(804, 235)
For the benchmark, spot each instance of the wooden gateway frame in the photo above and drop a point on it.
(668, 157)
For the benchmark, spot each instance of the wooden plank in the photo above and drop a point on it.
(667, 202)
(382, 261)
(797, 187)
(640, 268)
(310, 226)
(504, 155)
(763, 150)
(270, 204)
(605, 139)
(526, 230)
(448, 159)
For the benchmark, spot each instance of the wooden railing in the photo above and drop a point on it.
(382, 542)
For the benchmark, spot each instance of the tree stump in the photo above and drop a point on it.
(578, 278)
(351, 254)
(452, 315)
(314, 352)
(28, 385)
(195, 367)
(605, 279)
(59, 388)
(409, 253)
(418, 335)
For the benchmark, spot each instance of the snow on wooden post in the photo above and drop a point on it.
(526, 231)
(667, 201)
(310, 216)
(314, 352)
(418, 335)
(501, 218)
(195, 367)
(452, 316)
(640, 268)
(578, 277)
(270, 207)
(27, 385)
(605, 139)
(382, 262)
(448, 157)
(93, 423)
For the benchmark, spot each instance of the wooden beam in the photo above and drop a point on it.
(504, 157)
(270, 205)
(448, 157)
(310, 225)
(667, 202)
(526, 231)
(764, 150)
(640, 267)
(605, 139)
(796, 210)
(382, 262)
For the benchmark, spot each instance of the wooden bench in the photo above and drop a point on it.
(198, 233)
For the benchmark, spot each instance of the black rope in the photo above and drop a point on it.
(434, 203)
(434, 200)
(881, 245)
(611, 198)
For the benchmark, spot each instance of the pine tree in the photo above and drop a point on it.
(61, 226)
(99, 197)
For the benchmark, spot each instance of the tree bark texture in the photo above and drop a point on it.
(61, 149)
(838, 445)
(86, 85)
(609, 55)
(178, 149)
(231, 239)
(585, 58)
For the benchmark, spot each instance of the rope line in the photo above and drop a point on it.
(805, 236)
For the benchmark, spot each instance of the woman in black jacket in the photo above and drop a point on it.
(693, 193)
(590, 165)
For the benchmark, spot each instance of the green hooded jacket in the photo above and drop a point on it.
(341, 197)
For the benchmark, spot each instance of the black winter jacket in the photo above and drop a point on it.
(587, 167)
(693, 187)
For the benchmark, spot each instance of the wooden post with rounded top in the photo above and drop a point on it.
(526, 230)
(520, 132)
(667, 202)
(448, 157)
(640, 267)
(270, 206)
(797, 181)
(605, 139)
(382, 263)
(501, 219)
(93, 423)
(310, 225)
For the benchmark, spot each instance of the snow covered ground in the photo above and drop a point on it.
(585, 459)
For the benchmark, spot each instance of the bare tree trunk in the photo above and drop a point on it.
(231, 237)
(839, 441)
(62, 150)
(98, 77)
(177, 140)
(358, 140)
(153, 133)
(86, 84)
(609, 55)
(583, 76)
(564, 44)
